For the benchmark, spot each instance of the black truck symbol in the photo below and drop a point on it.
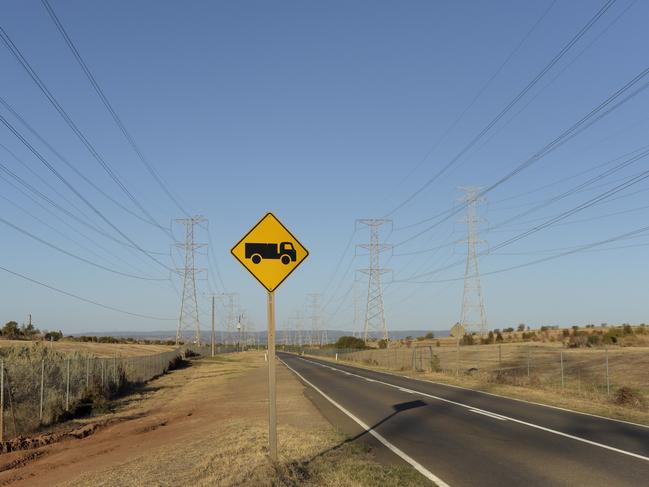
(283, 251)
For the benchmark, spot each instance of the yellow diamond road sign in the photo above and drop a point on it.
(270, 252)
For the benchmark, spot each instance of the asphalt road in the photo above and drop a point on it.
(460, 437)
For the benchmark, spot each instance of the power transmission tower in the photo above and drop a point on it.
(297, 320)
(473, 313)
(189, 322)
(374, 311)
(231, 322)
(286, 332)
(313, 305)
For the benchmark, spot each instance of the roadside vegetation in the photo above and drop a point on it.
(205, 425)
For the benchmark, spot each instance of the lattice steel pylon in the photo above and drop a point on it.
(313, 305)
(188, 321)
(374, 310)
(297, 320)
(232, 318)
(473, 316)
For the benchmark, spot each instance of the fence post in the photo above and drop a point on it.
(67, 386)
(87, 373)
(40, 412)
(562, 381)
(2, 400)
(102, 376)
(336, 356)
(608, 378)
(500, 356)
(414, 358)
(528, 361)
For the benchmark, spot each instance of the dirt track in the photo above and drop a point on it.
(174, 432)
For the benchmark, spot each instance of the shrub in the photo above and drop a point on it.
(625, 396)
(594, 340)
(350, 342)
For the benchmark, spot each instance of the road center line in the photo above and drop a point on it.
(485, 413)
(416, 465)
(525, 423)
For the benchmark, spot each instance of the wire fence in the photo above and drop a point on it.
(37, 391)
(584, 371)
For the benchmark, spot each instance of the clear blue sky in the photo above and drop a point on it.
(325, 112)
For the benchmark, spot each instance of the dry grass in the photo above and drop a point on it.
(96, 349)
(207, 425)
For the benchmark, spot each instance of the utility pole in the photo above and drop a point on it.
(473, 312)
(189, 320)
(233, 310)
(374, 311)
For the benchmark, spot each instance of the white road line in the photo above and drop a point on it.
(531, 425)
(491, 415)
(416, 465)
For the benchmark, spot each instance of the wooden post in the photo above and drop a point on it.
(2, 400)
(272, 405)
(608, 377)
(562, 380)
(67, 386)
(40, 412)
(457, 345)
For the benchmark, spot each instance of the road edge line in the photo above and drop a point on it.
(404, 456)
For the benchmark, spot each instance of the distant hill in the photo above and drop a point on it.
(332, 335)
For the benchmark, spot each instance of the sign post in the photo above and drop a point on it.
(270, 252)
(272, 393)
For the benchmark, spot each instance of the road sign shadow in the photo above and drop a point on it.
(398, 408)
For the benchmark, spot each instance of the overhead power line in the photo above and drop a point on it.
(509, 106)
(59, 176)
(109, 106)
(579, 249)
(481, 91)
(73, 126)
(65, 161)
(610, 104)
(80, 298)
(75, 256)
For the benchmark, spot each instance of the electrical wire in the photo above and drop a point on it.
(509, 106)
(80, 135)
(80, 298)
(109, 107)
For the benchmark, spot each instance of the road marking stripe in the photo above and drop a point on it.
(531, 425)
(416, 465)
(491, 415)
(409, 391)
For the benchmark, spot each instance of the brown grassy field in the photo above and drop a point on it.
(206, 425)
(96, 349)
